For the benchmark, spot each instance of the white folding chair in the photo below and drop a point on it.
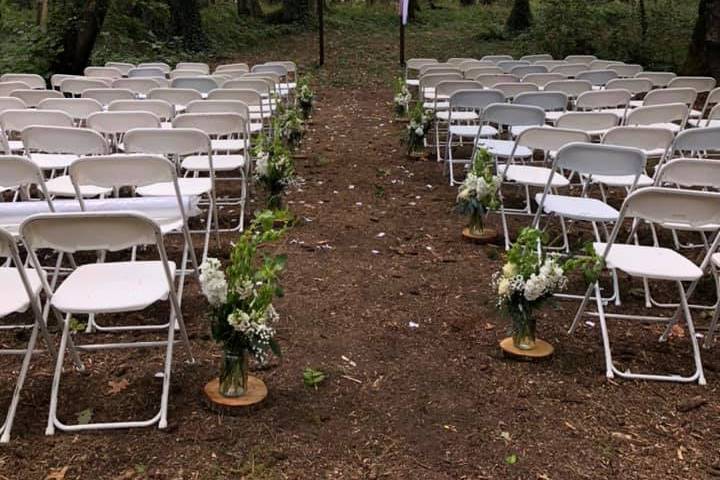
(114, 124)
(260, 113)
(507, 65)
(526, 176)
(103, 72)
(596, 124)
(6, 88)
(625, 70)
(570, 70)
(124, 67)
(62, 145)
(484, 69)
(34, 81)
(78, 108)
(203, 84)
(164, 67)
(139, 85)
(496, 58)
(13, 122)
(19, 175)
(538, 57)
(666, 208)
(670, 116)
(203, 67)
(658, 79)
(160, 108)
(507, 116)
(177, 97)
(655, 142)
(542, 79)
(75, 86)
(21, 289)
(33, 97)
(489, 80)
(176, 144)
(550, 102)
(599, 78)
(11, 103)
(523, 70)
(582, 59)
(107, 95)
(511, 90)
(106, 288)
(146, 72)
(602, 64)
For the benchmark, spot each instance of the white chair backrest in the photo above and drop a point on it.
(449, 87)
(522, 70)
(141, 86)
(6, 88)
(496, 58)
(584, 59)
(459, 60)
(160, 108)
(700, 84)
(570, 69)
(103, 72)
(244, 66)
(245, 95)
(77, 108)
(20, 171)
(548, 101)
(214, 124)
(484, 70)
(218, 106)
(658, 79)
(124, 67)
(601, 159)
(625, 70)
(78, 141)
(11, 103)
(690, 172)
(550, 139)
(119, 122)
(230, 74)
(33, 97)
(258, 84)
(279, 70)
(508, 65)
(202, 67)
(549, 64)
(603, 99)
(698, 140)
(89, 231)
(433, 79)
(670, 95)
(475, 99)
(602, 64)
(167, 141)
(146, 72)
(633, 85)
(489, 80)
(75, 86)
(542, 79)
(644, 138)
(510, 90)
(468, 64)
(107, 95)
(122, 170)
(539, 57)
(713, 115)
(31, 79)
(175, 96)
(161, 65)
(588, 121)
(18, 120)
(691, 209)
(599, 78)
(438, 68)
(201, 84)
(571, 88)
(186, 73)
(513, 115)
(665, 113)
(57, 78)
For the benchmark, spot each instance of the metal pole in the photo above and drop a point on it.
(402, 41)
(321, 31)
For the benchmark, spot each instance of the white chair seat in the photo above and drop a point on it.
(462, 116)
(436, 106)
(188, 187)
(553, 116)
(673, 127)
(14, 296)
(221, 163)
(695, 113)
(650, 262)
(16, 145)
(227, 145)
(503, 148)
(622, 180)
(168, 225)
(166, 125)
(471, 131)
(62, 187)
(113, 287)
(52, 161)
(534, 176)
(518, 129)
(255, 127)
(412, 82)
(635, 103)
(578, 208)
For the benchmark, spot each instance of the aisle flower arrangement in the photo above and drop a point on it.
(289, 126)
(528, 278)
(402, 97)
(478, 193)
(274, 167)
(305, 96)
(242, 313)
(417, 129)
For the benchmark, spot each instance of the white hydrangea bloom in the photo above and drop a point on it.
(239, 320)
(535, 287)
(245, 289)
(261, 164)
(213, 282)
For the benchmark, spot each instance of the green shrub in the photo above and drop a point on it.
(24, 47)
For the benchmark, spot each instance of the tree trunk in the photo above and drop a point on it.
(249, 7)
(704, 53)
(520, 16)
(77, 36)
(187, 24)
(413, 9)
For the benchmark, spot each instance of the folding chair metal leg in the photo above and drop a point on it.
(10, 416)
(581, 309)
(609, 367)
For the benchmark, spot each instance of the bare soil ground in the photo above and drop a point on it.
(383, 295)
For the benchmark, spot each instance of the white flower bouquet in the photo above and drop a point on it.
(305, 96)
(479, 192)
(417, 129)
(528, 278)
(240, 297)
(402, 97)
(274, 168)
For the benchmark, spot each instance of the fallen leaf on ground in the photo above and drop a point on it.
(57, 473)
(117, 386)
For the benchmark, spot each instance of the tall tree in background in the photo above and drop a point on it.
(249, 7)
(77, 24)
(704, 54)
(187, 24)
(520, 16)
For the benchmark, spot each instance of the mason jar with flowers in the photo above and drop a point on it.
(477, 194)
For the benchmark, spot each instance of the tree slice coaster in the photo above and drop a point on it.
(257, 392)
(542, 349)
(488, 235)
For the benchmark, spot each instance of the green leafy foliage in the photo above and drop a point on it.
(312, 378)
